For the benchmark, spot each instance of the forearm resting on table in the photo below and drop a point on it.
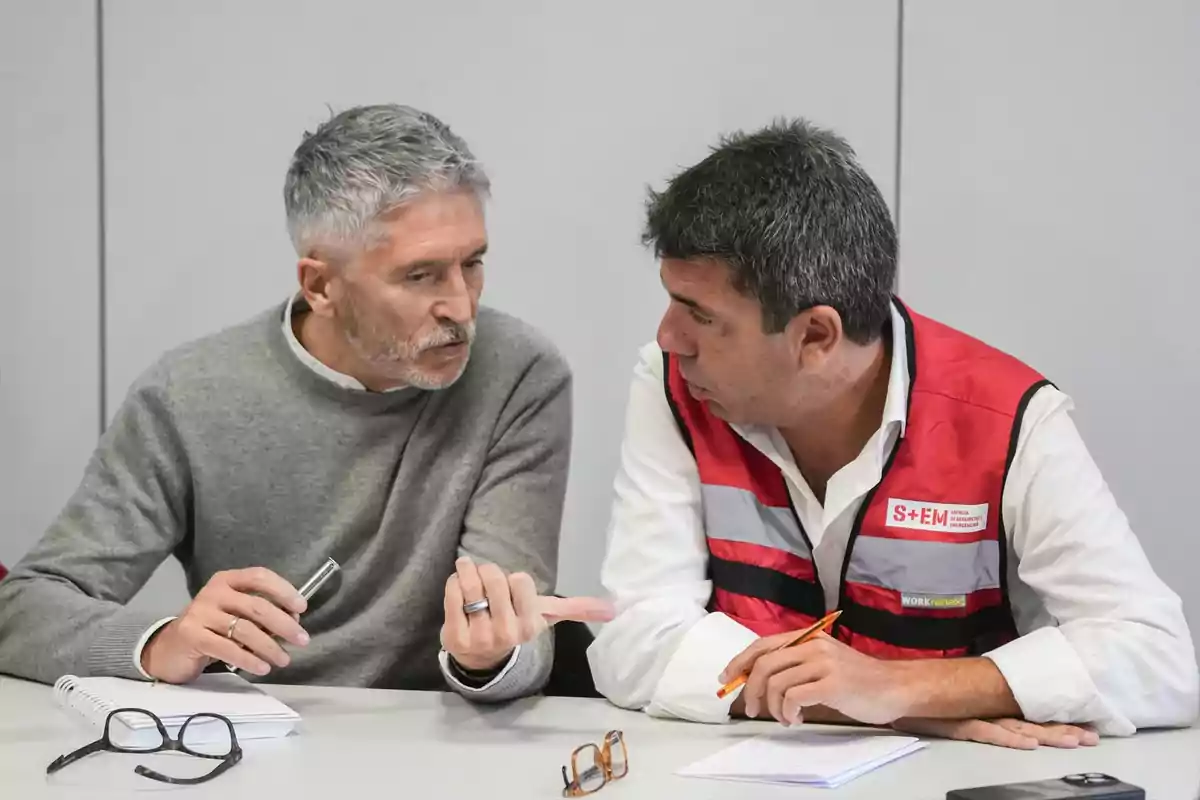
(955, 688)
(960, 688)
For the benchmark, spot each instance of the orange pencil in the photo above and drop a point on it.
(823, 624)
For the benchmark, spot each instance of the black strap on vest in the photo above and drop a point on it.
(675, 412)
(749, 580)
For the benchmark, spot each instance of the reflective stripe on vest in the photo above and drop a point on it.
(742, 517)
(760, 560)
(947, 569)
(760, 567)
(910, 588)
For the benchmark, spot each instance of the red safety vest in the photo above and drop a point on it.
(925, 568)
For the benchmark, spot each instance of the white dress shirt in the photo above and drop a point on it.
(346, 382)
(1103, 639)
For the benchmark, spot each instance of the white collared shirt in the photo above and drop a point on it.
(1104, 640)
(312, 362)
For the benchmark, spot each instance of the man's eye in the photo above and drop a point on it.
(700, 318)
(416, 277)
(473, 263)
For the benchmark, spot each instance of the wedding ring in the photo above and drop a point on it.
(475, 606)
(232, 624)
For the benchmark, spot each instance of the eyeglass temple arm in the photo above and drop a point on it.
(570, 787)
(71, 758)
(233, 758)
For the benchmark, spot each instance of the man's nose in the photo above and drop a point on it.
(671, 339)
(457, 303)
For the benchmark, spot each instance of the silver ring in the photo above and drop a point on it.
(475, 606)
(232, 624)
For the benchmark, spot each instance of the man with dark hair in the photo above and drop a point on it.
(800, 441)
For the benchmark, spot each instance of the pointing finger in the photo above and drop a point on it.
(579, 609)
(530, 623)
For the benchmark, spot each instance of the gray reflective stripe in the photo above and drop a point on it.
(737, 515)
(921, 567)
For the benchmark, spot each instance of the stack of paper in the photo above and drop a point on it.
(796, 756)
(254, 713)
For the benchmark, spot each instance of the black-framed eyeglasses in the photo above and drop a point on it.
(201, 735)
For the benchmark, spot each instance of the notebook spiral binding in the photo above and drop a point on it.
(69, 694)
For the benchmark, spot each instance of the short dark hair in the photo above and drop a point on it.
(796, 218)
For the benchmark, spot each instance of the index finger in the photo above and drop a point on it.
(1087, 737)
(1055, 735)
(966, 730)
(580, 609)
(743, 662)
(268, 584)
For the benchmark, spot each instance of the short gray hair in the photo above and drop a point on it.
(796, 218)
(367, 161)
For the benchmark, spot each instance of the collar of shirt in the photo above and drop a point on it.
(856, 478)
(311, 361)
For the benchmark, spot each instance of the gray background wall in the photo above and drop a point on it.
(1046, 190)
(49, 260)
(1050, 196)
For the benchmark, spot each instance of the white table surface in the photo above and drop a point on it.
(394, 744)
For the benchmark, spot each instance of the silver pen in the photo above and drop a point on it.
(327, 571)
(310, 586)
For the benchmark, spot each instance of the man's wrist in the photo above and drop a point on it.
(477, 670)
(908, 679)
(952, 688)
(141, 651)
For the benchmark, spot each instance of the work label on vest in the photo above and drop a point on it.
(945, 517)
(910, 600)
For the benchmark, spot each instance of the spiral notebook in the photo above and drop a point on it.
(254, 713)
(824, 759)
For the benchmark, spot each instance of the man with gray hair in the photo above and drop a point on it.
(379, 416)
(799, 443)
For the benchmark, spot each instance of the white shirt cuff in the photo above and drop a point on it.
(688, 686)
(448, 672)
(141, 644)
(1051, 684)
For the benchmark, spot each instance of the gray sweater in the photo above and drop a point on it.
(229, 452)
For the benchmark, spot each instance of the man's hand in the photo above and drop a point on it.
(822, 671)
(1014, 733)
(182, 648)
(482, 641)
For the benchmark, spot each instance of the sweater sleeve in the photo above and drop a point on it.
(62, 608)
(514, 517)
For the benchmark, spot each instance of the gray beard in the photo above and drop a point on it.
(397, 360)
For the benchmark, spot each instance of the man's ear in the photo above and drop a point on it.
(813, 335)
(316, 284)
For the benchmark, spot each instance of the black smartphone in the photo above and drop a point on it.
(1092, 785)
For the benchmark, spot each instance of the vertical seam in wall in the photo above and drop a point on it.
(101, 238)
(899, 121)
